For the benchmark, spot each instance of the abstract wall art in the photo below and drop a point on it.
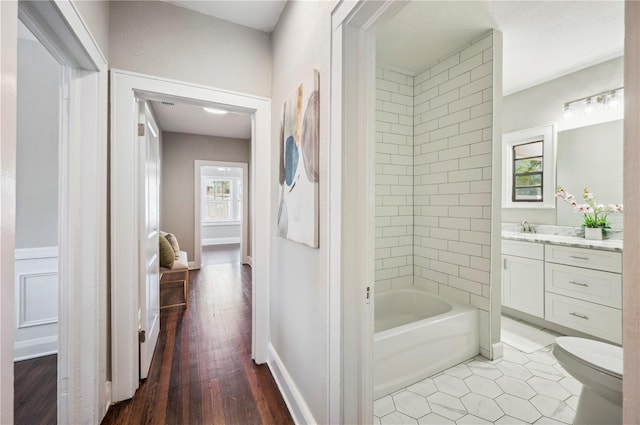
(299, 174)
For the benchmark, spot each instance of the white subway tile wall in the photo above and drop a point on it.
(394, 180)
(452, 150)
(433, 178)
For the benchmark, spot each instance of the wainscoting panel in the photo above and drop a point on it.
(36, 289)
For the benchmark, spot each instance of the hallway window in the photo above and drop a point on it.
(223, 199)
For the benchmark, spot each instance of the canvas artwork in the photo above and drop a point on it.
(299, 148)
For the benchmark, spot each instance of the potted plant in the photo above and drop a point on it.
(594, 214)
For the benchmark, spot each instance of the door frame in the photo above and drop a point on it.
(352, 208)
(83, 395)
(125, 161)
(197, 210)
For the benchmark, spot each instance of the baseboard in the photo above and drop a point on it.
(298, 408)
(220, 241)
(497, 350)
(37, 347)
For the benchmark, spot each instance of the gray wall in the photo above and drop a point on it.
(164, 40)
(95, 14)
(543, 105)
(299, 281)
(179, 151)
(37, 147)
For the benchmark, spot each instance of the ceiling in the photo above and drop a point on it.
(542, 40)
(190, 119)
(262, 15)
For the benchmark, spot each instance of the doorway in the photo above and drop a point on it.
(81, 232)
(36, 267)
(221, 211)
(125, 166)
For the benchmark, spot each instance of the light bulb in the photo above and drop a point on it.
(568, 113)
(588, 109)
(216, 111)
(613, 101)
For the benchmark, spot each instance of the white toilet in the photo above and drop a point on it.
(598, 366)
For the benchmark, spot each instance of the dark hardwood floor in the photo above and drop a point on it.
(35, 391)
(201, 372)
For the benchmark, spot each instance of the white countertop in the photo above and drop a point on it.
(607, 244)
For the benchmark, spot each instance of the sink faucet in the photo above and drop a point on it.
(526, 227)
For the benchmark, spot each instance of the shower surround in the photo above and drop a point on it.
(434, 150)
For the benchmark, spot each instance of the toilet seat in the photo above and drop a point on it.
(603, 357)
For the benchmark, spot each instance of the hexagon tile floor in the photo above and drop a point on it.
(520, 388)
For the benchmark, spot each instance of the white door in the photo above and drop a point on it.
(149, 275)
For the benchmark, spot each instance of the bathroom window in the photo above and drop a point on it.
(529, 168)
(528, 172)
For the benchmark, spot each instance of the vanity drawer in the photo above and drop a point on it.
(583, 257)
(594, 319)
(585, 284)
(531, 250)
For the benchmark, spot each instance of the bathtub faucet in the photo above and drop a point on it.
(526, 227)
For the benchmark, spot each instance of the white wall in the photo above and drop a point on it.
(299, 279)
(160, 39)
(179, 151)
(37, 147)
(394, 180)
(543, 104)
(453, 139)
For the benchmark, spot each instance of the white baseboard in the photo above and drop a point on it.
(220, 241)
(497, 350)
(298, 408)
(37, 347)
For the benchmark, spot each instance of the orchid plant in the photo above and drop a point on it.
(595, 215)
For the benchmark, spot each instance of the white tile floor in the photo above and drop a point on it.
(521, 388)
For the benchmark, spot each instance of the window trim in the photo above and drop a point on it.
(547, 134)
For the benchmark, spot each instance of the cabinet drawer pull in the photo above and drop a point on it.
(578, 257)
(578, 283)
(582, 316)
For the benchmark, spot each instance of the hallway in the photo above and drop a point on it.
(202, 371)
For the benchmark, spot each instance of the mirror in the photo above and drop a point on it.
(590, 157)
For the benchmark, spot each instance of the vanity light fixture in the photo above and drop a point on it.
(608, 99)
(588, 109)
(216, 111)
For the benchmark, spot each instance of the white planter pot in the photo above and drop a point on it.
(593, 233)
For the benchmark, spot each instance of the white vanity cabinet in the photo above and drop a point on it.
(583, 290)
(523, 276)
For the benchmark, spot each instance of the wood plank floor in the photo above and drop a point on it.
(201, 372)
(35, 391)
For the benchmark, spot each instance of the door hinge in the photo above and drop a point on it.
(140, 129)
(142, 336)
(368, 294)
(505, 264)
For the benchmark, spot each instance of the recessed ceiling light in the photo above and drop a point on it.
(216, 111)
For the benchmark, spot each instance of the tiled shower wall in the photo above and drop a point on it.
(394, 180)
(452, 170)
(433, 178)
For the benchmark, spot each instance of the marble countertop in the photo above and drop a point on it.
(566, 240)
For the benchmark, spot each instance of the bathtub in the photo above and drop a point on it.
(418, 334)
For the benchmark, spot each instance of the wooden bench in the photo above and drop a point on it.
(181, 268)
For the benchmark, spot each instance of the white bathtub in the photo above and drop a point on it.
(418, 334)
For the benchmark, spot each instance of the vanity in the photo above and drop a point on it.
(564, 280)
